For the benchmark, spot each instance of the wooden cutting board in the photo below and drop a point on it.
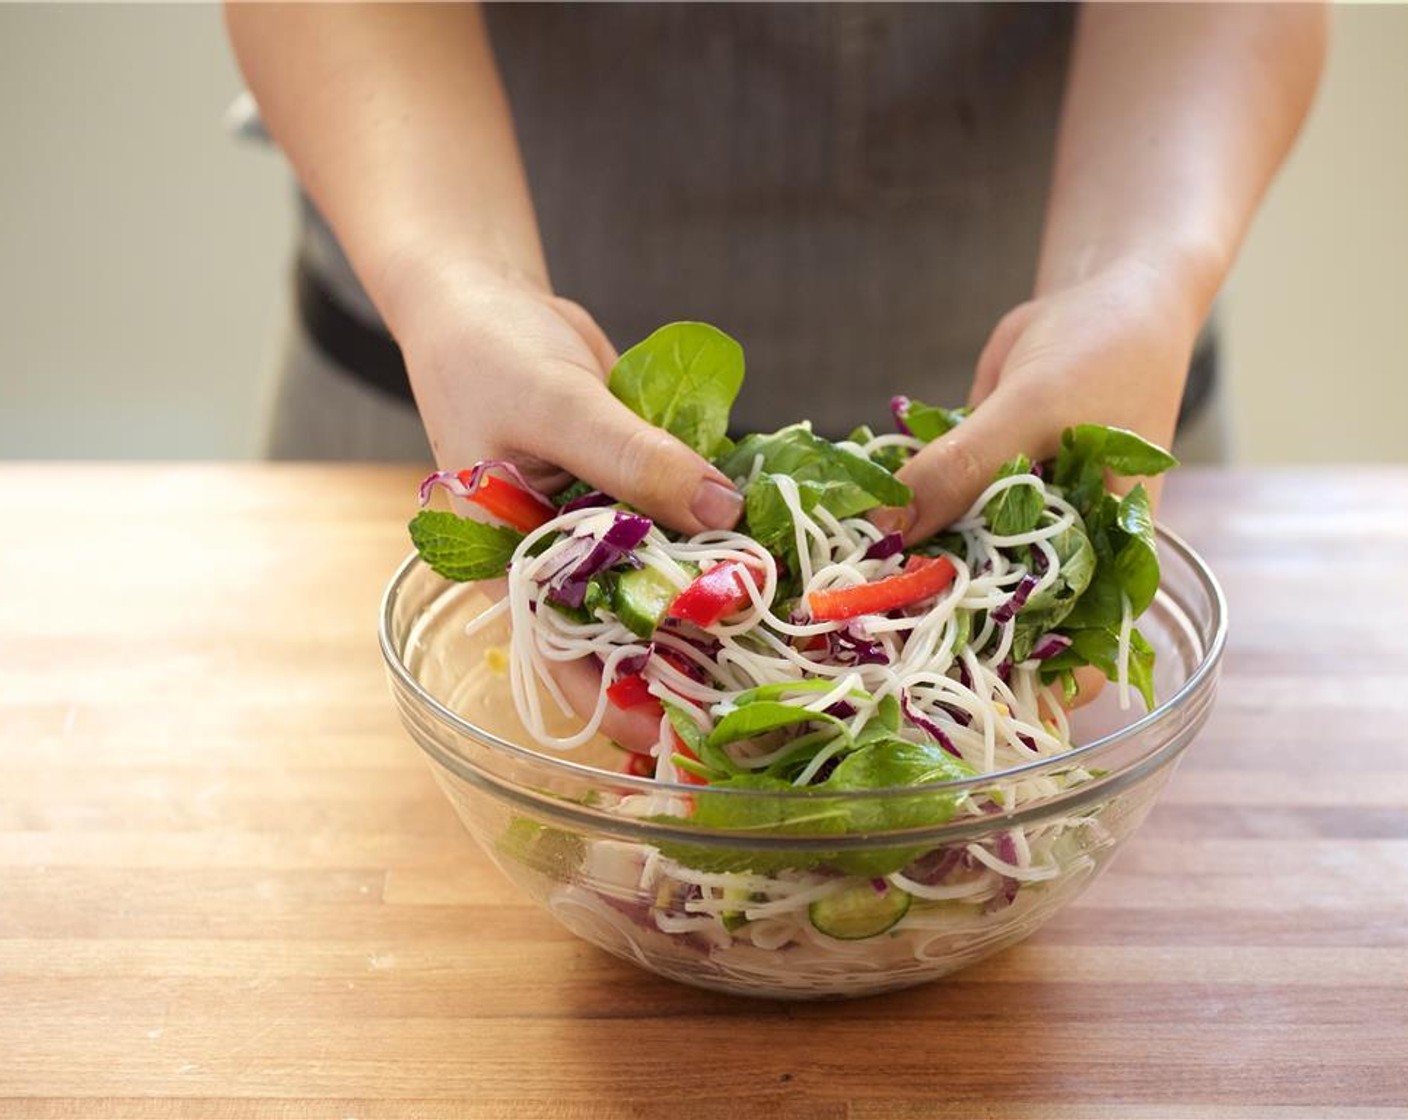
(229, 887)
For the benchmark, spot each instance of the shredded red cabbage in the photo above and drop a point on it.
(1049, 645)
(590, 500)
(899, 408)
(929, 726)
(842, 709)
(1005, 611)
(568, 585)
(853, 645)
(635, 663)
(464, 484)
(932, 868)
(891, 544)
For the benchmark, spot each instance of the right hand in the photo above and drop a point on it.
(506, 370)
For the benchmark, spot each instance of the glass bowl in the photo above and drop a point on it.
(769, 910)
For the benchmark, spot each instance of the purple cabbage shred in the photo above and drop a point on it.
(590, 500)
(853, 645)
(899, 408)
(1006, 611)
(467, 487)
(1049, 645)
(891, 544)
(927, 725)
(568, 584)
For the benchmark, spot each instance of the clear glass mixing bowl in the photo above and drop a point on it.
(770, 911)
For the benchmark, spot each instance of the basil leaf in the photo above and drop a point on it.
(804, 456)
(1088, 450)
(786, 688)
(1018, 508)
(1141, 667)
(928, 423)
(769, 521)
(763, 716)
(461, 549)
(1137, 561)
(683, 378)
(1076, 556)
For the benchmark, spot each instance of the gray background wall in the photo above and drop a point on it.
(143, 253)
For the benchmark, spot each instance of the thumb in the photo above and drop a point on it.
(638, 463)
(950, 473)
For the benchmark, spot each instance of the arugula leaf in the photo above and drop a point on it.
(770, 522)
(1018, 508)
(461, 549)
(928, 423)
(683, 378)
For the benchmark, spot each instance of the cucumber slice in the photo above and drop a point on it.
(737, 900)
(858, 912)
(641, 598)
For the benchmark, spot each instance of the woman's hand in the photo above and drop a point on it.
(506, 370)
(1113, 349)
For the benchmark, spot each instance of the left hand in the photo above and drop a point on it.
(1111, 349)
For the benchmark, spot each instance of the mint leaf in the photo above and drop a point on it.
(461, 549)
(683, 378)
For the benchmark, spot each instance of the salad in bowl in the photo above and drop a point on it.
(805, 756)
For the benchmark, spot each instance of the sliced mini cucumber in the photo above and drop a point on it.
(641, 598)
(857, 912)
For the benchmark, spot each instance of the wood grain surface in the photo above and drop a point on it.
(229, 887)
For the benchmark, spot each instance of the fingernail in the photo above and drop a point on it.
(716, 506)
(893, 519)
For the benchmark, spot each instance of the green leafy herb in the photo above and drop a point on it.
(683, 378)
(1136, 561)
(928, 423)
(461, 549)
(1018, 508)
(759, 718)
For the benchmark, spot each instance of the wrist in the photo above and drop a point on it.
(1176, 281)
(414, 280)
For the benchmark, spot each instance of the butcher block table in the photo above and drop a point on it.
(230, 888)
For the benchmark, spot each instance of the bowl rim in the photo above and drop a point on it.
(456, 723)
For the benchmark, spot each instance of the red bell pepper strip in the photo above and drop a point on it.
(688, 777)
(640, 765)
(717, 593)
(923, 578)
(509, 503)
(631, 692)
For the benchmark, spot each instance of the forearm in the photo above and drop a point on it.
(1176, 118)
(397, 125)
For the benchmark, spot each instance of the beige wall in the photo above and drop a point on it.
(141, 250)
(142, 253)
(1319, 300)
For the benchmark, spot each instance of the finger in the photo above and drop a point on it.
(949, 474)
(638, 463)
(636, 729)
(580, 320)
(994, 356)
